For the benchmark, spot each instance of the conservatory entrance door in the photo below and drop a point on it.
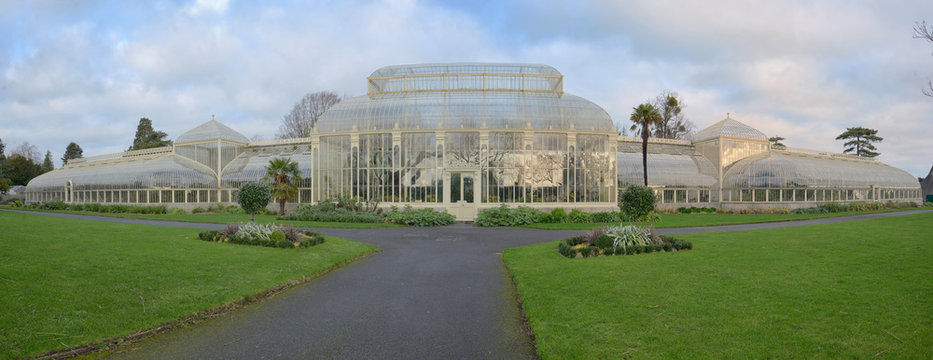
(461, 197)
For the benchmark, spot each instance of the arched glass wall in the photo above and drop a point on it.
(676, 178)
(779, 176)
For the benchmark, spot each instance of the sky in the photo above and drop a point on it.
(86, 71)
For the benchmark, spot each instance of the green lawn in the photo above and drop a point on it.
(691, 220)
(849, 290)
(223, 219)
(68, 282)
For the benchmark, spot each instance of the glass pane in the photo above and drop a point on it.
(455, 187)
(468, 188)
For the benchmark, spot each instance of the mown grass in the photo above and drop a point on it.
(692, 220)
(213, 218)
(68, 282)
(860, 289)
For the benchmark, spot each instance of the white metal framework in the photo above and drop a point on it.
(467, 136)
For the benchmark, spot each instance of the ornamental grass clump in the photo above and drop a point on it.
(624, 236)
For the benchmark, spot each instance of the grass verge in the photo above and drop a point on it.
(693, 220)
(84, 285)
(221, 219)
(859, 289)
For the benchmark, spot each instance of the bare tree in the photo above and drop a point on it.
(28, 151)
(305, 114)
(673, 124)
(921, 31)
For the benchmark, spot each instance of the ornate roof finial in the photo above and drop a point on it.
(727, 115)
(212, 117)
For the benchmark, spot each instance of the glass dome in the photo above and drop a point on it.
(465, 96)
(777, 169)
(465, 110)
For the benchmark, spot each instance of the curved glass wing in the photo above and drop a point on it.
(667, 170)
(252, 167)
(465, 110)
(788, 170)
(170, 171)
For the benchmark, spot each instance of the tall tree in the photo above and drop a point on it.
(860, 141)
(776, 140)
(283, 173)
(305, 114)
(47, 164)
(673, 124)
(22, 169)
(2, 148)
(147, 137)
(72, 151)
(922, 31)
(644, 116)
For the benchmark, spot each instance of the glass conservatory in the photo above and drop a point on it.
(466, 136)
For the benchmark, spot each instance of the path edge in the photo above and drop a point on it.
(121, 342)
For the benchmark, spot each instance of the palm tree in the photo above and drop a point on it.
(284, 175)
(644, 116)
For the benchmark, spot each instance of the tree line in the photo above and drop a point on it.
(24, 164)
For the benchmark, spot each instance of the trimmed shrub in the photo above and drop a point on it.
(604, 242)
(579, 217)
(177, 211)
(210, 235)
(505, 216)
(312, 239)
(605, 217)
(324, 211)
(419, 217)
(284, 244)
(565, 249)
(590, 237)
(253, 197)
(558, 215)
(277, 236)
(637, 201)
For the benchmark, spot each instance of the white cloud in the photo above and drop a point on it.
(207, 6)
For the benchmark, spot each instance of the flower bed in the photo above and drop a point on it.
(620, 240)
(269, 235)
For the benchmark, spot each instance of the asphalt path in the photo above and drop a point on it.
(432, 293)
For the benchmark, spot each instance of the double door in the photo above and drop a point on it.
(461, 194)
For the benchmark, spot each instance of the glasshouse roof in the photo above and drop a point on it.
(211, 130)
(729, 127)
(778, 169)
(465, 68)
(465, 110)
(167, 171)
(668, 170)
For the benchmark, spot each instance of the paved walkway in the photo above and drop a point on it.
(432, 293)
